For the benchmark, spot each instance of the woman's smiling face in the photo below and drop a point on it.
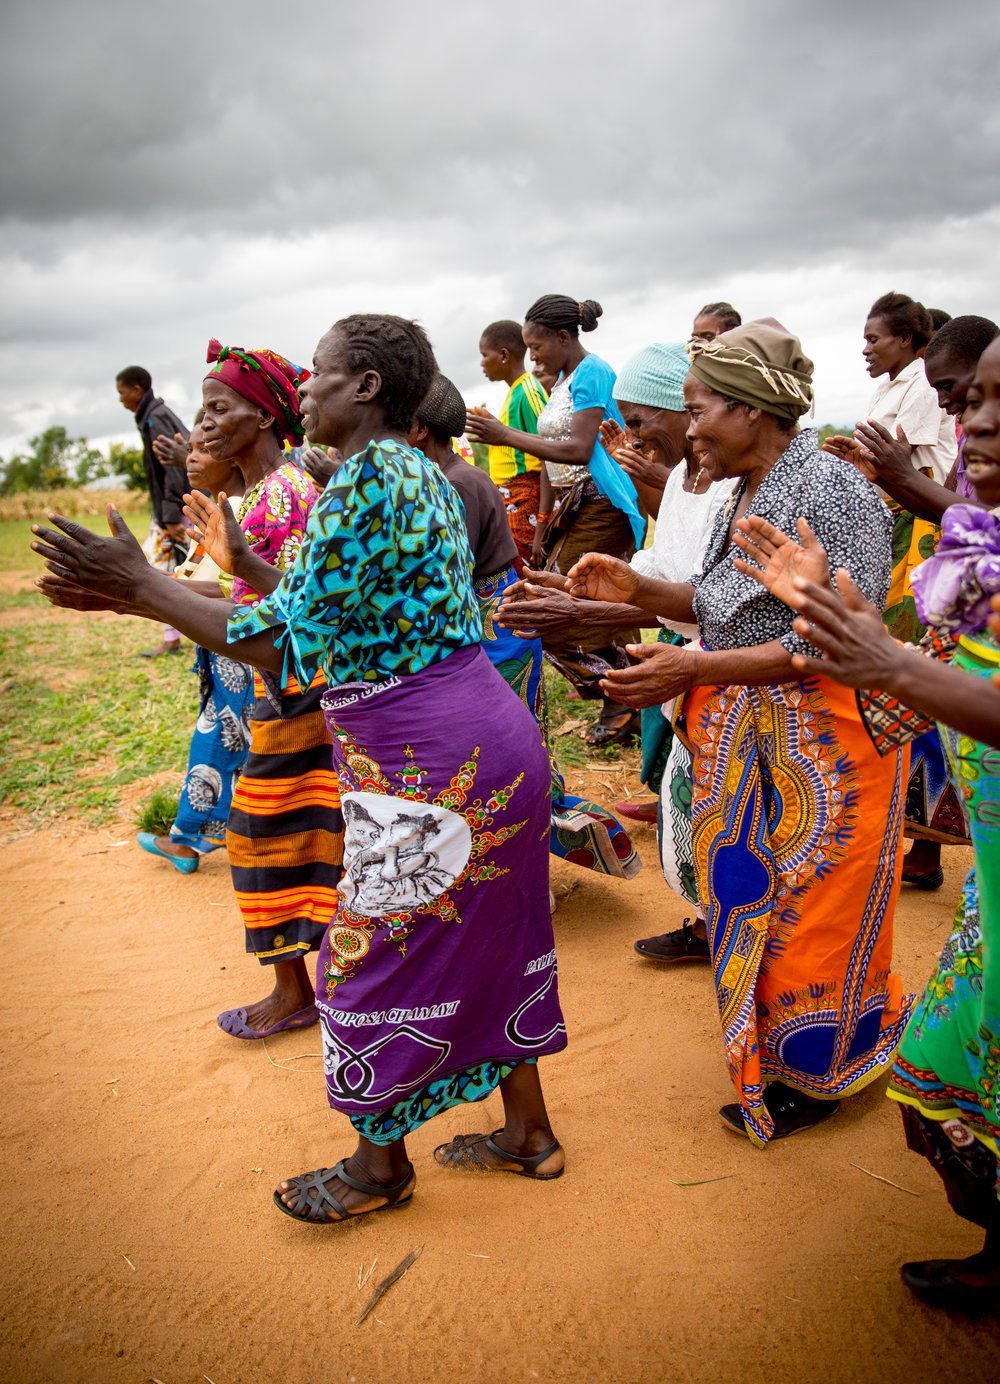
(981, 422)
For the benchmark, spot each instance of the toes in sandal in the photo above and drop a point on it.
(681, 945)
(463, 1152)
(234, 1022)
(313, 1209)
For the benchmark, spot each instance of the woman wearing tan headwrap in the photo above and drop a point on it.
(796, 817)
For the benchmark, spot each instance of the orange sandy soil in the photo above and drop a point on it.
(142, 1145)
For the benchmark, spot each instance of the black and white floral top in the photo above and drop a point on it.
(843, 510)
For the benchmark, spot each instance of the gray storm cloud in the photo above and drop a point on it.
(254, 171)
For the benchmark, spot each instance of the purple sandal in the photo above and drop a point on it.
(234, 1022)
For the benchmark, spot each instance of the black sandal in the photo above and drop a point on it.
(681, 945)
(463, 1153)
(602, 735)
(927, 881)
(932, 1280)
(791, 1111)
(310, 1208)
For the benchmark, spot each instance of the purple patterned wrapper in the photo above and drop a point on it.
(952, 589)
(441, 954)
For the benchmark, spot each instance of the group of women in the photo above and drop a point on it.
(399, 768)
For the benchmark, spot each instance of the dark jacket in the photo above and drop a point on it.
(167, 484)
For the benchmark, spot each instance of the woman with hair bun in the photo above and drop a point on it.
(905, 407)
(594, 504)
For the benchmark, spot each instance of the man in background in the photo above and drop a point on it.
(167, 484)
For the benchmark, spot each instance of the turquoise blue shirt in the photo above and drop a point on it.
(591, 386)
(383, 581)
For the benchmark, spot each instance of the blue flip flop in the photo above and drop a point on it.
(185, 864)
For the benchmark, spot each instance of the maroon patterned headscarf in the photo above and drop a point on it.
(266, 379)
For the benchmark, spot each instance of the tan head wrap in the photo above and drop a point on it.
(760, 364)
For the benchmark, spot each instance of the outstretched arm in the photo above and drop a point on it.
(859, 652)
(892, 468)
(116, 568)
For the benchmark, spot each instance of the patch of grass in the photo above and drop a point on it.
(81, 714)
(571, 750)
(157, 813)
(15, 534)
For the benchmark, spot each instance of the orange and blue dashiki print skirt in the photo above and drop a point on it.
(797, 840)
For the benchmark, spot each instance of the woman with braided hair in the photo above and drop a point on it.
(445, 991)
(595, 504)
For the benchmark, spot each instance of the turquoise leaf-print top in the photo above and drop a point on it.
(382, 585)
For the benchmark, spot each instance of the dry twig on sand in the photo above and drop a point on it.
(388, 1281)
(887, 1180)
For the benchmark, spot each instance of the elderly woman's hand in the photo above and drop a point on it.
(481, 425)
(857, 650)
(638, 467)
(541, 613)
(781, 560)
(613, 437)
(598, 577)
(664, 671)
(113, 566)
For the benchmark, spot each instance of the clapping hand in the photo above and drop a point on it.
(613, 437)
(857, 650)
(322, 464)
(171, 451)
(780, 559)
(217, 529)
(481, 426)
(598, 577)
(664, 671)
(113, 566)
(883, 455)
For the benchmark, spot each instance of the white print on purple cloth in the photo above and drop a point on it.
(399, 854)
(353, 1076)
(540, 963)
(346, 1019)
(519, 1021)
(350, 692)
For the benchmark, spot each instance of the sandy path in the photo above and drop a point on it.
(136, 1128)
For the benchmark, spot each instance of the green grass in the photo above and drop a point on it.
(15, 537)
(81, 715)
(157, 813)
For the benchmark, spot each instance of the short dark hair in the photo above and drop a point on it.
(443, 410)
(135, 374)
(724, 313)
(504, 336)
(904, 316)
(557, 312)
(963, 339)
(400, 352)
(939, 317)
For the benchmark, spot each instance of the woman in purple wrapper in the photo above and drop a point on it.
(436, 980)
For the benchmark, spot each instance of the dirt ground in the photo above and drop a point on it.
(142, 1145)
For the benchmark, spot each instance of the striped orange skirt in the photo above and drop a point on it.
(286, 834)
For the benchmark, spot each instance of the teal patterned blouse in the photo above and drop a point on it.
(383, 582)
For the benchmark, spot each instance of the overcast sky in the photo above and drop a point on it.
(177, 171)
